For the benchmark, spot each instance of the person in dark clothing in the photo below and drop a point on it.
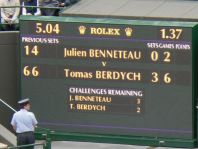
(54, 3)
(47, 11)
(63, 3)
(31, 10)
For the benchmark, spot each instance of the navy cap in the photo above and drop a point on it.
(24, 101)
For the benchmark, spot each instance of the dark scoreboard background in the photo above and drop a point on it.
(111, 77)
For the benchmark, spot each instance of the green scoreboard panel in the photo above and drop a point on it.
(111, 80)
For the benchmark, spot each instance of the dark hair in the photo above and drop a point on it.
(22, 105)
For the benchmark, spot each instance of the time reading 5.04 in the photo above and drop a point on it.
(47, 28)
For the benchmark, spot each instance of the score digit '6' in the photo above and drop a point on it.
(31, 71)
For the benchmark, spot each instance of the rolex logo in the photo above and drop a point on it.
(82, 30)
(128, 32)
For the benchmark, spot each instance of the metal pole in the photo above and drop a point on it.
(27, 145)
(48, 143)
(7, 105)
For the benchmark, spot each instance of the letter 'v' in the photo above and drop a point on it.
(104, 64)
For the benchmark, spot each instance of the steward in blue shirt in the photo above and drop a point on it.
(24, 123)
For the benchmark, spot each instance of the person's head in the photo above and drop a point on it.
(24, 104)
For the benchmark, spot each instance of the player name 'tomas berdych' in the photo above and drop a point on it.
(103, 75)
(103, 53)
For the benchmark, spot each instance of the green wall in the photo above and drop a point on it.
(8, 75)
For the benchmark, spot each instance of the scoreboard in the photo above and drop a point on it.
(112, 77)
